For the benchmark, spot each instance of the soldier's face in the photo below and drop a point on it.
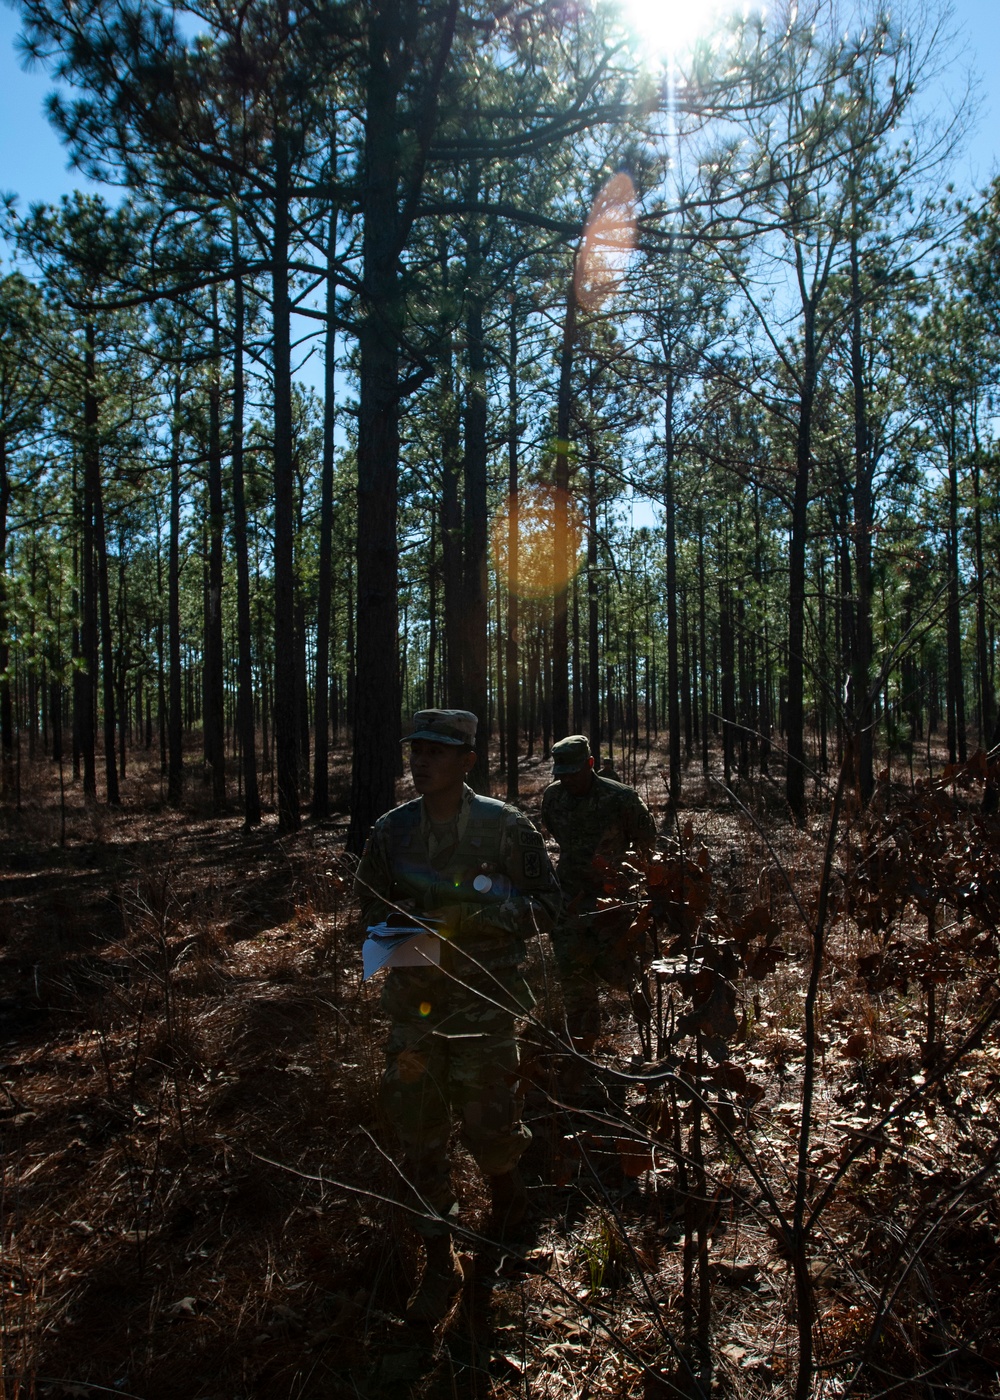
(576, 784)
(438, 767)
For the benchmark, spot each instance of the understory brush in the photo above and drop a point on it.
(778, 1177)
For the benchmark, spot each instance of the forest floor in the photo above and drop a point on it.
(197, 1190)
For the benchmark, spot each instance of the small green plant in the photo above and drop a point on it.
(604, 1253)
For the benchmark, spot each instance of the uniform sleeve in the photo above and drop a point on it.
(548, 805)
(533, 903)
(373, 878)
(641, 824)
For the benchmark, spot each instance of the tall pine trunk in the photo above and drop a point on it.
(286, 719)
(377, 682)
(245, 698)
(107, 640)
(451, 533)
(670, 520)
(175, 721)
(86, 691)
(987, 700)
(376, 750)
(560, 530)
(703, 644)
(98, 615)
(6, 713)
(214, 667)
(321, 779)
(476, 599)
(957, 742)
(121, 662)
(430, 680)
(513, 563)
(795, 776)
(593, 612)
(863, 526)
(728, 680)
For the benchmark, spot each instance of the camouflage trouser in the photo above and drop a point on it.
(452, 1055)
(586, 955)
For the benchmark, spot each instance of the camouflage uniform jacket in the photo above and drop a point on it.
(594, 832)
(403, 866)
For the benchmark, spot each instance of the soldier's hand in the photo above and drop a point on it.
(448, 917)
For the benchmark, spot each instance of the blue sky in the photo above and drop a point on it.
(33, 163)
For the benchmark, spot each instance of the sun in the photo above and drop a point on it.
(668, 27)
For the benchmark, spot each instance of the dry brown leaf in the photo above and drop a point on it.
(636, 1157)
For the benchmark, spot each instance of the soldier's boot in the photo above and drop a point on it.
(441, 1283)
(508, 1203)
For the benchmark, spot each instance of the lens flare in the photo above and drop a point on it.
(534, 572)
(608, 243)
(425, 1008)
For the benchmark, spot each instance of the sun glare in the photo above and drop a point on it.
(667, 27)
(536, 573)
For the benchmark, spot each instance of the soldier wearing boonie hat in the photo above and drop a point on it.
(478, 869)
(453, 727)
(595, 820)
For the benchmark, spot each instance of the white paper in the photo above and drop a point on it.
(389, 946)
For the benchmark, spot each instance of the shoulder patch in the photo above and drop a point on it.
(527, 837)
(532, 863)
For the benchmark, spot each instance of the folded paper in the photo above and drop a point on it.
(399, 945)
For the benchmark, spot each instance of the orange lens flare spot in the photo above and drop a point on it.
(425, 1008)
(523, 542)
(608, 243)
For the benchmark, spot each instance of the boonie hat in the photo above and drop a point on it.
(444, 727)
(570, 754)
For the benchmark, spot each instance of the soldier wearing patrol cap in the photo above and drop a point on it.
(595, 820)
(478, 871)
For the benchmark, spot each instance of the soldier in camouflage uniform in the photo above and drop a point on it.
(595, 820)
(481, 868)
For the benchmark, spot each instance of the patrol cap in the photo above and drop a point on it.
(571, 754)
(456, 727)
